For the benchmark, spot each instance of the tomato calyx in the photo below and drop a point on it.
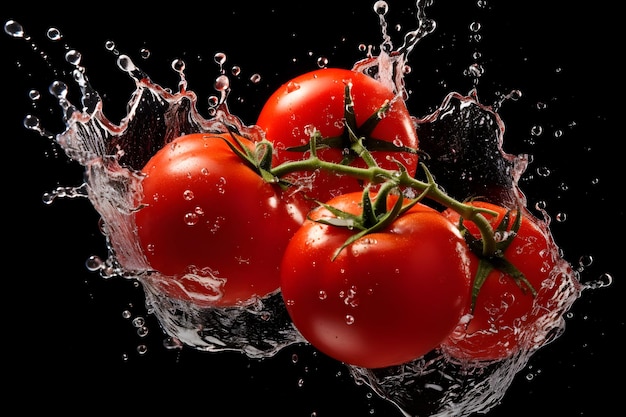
(375, 215)
(495, 259)
(352, 131)
(259, 160)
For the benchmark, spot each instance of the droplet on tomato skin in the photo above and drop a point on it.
(398, 143)
(188, 195)
(349, 319)
(191, 219)
(322, 295)
(291, 87)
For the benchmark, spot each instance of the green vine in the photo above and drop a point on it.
(376, 216)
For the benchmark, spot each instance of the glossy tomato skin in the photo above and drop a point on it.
(388, 298)
(209, 219)
(316, 99)
(504, 311)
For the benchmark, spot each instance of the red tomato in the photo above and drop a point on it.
(211, 227)
(505, 311)
(317, 99)
(387, 298)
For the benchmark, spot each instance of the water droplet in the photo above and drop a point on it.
(381, 7)
(188, 195)
(191, 219)
(541, 205)
(476, 70)
(58, 89)
(222, 83)
(178, 65)
(126, 64)
(94, 263)
(543, 171)
(322, 62)
(349, 319)
(34, 95)
(171, 343)
(561, 217)
(54, 34)
(13, 28)
(73, 57)
(219, 58)
(31, 122)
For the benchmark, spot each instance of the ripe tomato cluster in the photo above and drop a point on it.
(326, 209)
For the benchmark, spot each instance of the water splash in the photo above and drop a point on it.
(112, 154)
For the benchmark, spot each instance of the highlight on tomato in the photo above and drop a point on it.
(372, 289)
(343, 106)
(517, 291)
(210, 226)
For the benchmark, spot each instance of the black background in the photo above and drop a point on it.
(67, 347)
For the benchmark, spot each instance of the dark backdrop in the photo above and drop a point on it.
(67, 346)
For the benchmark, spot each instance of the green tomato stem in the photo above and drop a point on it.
(376, 175)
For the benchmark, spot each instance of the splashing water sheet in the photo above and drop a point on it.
(522, 105)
